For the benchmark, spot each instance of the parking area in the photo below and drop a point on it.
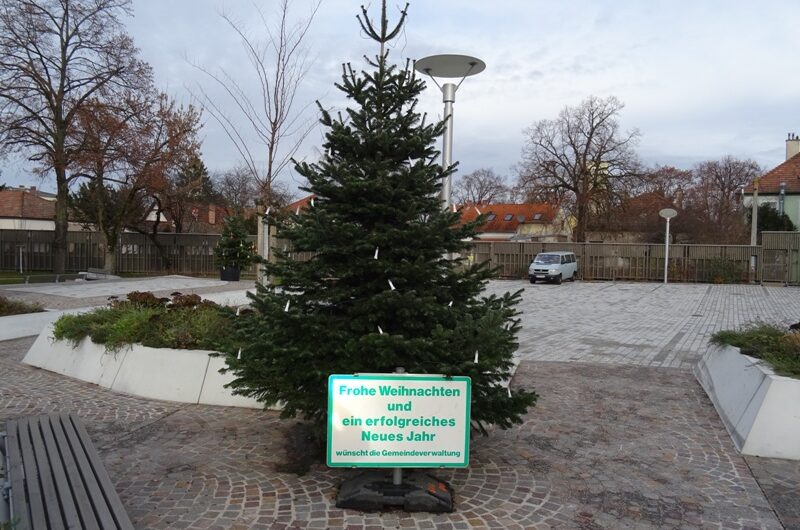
(643, 324)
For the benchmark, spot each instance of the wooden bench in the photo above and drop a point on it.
(56, 478)
(97, 274)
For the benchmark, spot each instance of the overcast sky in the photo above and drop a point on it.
(700, 79)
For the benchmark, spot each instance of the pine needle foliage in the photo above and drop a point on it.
(385, 287)
(233, 248)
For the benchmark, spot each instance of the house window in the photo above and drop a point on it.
(537, 217)
(508, 217)
(491, 217)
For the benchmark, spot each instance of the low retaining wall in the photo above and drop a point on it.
(186, 376)
(761, 410)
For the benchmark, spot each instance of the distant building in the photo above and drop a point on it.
(27, 208)
(24, 208)
(300, 204)
(539, 222)
(780, 187)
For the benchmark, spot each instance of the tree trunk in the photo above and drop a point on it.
(110, 253)
(110, 260)
(582, 220)
(61, 221)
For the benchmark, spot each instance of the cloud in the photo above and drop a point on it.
(699, 79)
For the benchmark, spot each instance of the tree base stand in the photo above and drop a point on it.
(373, 490)
(229, 274)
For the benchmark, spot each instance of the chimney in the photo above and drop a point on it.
(792, 145)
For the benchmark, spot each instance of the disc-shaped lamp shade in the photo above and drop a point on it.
(668, 213)
(450, 65)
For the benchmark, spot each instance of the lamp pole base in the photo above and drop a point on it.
(373, 491)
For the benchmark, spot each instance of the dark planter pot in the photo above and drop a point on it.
(229, 274)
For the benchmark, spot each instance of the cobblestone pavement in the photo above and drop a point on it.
(781, 483)
(607, 446)
(644, 324)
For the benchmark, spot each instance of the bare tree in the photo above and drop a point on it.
(236, 188)
(482, 186)
(279, 65)
(581, 160)
(667, 181)
(55, 55)
(714, 200)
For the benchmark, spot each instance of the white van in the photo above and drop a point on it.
(553, 266)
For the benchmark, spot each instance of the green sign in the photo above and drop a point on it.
(398, 420)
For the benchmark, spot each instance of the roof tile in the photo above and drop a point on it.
(788, 172)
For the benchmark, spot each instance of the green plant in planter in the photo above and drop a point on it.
(233, 251)
(773, 345)
(183, 322)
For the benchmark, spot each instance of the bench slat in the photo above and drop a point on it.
(87, 471)
(57, 461)
(17, 475)
(86, 512)
(57, 478)
(120, 515)
(52, 503)
(31, 474)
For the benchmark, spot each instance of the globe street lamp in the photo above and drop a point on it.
(667, 213)
(449, 66)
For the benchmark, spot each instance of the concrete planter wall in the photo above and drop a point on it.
(186, 376)
(761, 410)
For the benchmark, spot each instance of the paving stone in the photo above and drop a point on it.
(619, 439)
(644, 324)
(779, 481)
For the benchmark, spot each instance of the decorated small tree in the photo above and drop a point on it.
(385, 286)
(233, 251)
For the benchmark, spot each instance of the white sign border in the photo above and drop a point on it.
(403, 377)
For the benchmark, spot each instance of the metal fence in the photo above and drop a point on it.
(628, 261)
(32, 251)
(776, 260)
(781, 257)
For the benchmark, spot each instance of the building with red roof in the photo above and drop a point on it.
(504, 222)
(780, 186)
(540, 222)
(24, 208)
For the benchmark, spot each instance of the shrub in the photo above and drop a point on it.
(184, 322)
(144, 299)
(9, 306)
(724, 270)
(776, 347)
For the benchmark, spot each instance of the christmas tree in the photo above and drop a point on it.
(385, 287)
(233, 250)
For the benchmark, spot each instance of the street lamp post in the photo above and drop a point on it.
(754, 227)
(667, 213)
(449, 66)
